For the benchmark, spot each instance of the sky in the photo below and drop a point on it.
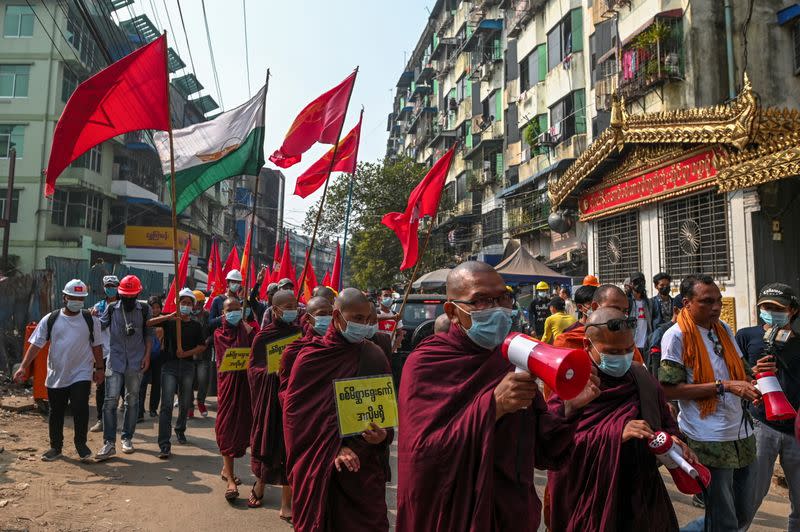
(309, 46)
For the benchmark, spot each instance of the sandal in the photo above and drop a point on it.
(287, 518)
(236, 479)
(231, 495)
(254, 501)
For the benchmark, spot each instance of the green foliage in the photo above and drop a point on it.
(531, 133)
(653, 35)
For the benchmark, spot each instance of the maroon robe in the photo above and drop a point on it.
(384, 341)
(322, 498)
(287, 361)
(606, 484)
(267, 450)
(458, 467)
(234, 416)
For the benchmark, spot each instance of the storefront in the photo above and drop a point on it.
(711, 190)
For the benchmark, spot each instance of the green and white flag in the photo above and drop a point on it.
(231, 144)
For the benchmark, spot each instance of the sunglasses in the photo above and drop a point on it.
(617, 324)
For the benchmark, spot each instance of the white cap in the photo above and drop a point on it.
(234, 275)
(187, 292)
(110, 280)
(76, 288)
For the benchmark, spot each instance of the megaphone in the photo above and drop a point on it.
(566, 371)
(685, 475)
(776, 405)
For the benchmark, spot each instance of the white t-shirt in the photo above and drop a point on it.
(105, 334)
(725, 424)
(70, 359)
(640, 336)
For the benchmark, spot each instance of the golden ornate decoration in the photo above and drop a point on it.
(728, 314)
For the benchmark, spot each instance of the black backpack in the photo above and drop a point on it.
(87, 317)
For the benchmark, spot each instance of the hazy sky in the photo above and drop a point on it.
(310, 46)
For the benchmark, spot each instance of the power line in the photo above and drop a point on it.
(186, 36)
(246, 48)
(51, 38)
(211, 53)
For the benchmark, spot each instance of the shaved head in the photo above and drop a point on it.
(351, 305)
(350, 297)
(324, 291)
(231, 303)
(609, 295)
(471, 281)
(604, 340)
(319, 306)
(460, 277)
(442, 324)
(284, 299)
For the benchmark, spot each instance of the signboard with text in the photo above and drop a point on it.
(364, 400)
(275, 352)
(236, 359)
(137, 236)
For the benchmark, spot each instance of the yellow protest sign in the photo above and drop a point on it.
(275, 351)
(364, 400)
(235, 359)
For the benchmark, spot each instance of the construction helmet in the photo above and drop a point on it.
(110, 280)
(75, 288)
(234, 275)
(590, 280)
(130, 286)
(541, 285)
(187, 292)
(199, 296)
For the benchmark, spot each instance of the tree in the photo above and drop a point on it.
(374, 253)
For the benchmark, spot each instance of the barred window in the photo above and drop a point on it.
(694, 236)
(617, 247)
(492, 226)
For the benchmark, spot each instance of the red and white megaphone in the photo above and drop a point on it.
(776, 405)
(566, 371)
(685, 475)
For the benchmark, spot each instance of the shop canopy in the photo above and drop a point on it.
(521, 268)
(432, 280)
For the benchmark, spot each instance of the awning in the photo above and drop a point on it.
(510, 191)
(521, 268)
(434, 279)
(672, 13)
(788, 14)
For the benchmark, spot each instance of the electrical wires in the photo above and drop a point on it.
(246, 47)
(211, 54)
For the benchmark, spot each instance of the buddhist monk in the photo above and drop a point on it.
(442, 324)
(324, 291)
(234, 416)
(472, 430)
(337, 483)
(611, 479)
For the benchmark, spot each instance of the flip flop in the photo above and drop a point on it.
(236, 479)
(254, 501)
(231, 495)
(288, 519)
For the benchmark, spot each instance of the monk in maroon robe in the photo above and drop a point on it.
(472, 430)
(611, 480)
(337, 483)
(267, 450)
(234, 416)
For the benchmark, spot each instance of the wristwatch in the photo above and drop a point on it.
(720, 387)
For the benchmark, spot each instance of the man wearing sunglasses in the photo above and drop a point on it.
(470, 425)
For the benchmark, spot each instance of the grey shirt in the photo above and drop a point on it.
(126, 352)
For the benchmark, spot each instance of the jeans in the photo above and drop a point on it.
(152, 377)
(772, 444)
(131, 379)
(77, 395)
(99, 397)
(729, 498)
(177, 376)
(202, 377)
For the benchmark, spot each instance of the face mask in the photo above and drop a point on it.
(234, 287)
(490, 326)
(186, 310)
(234, 317)
(586, 311)
(541, 294)
(111, 291)
(321, 324)
(289, 316)
(128, 303)
(356, 332)
(774, 318)
(664, 290)
(615, 365)
(249, 312)
(387, 302)
(74, 305)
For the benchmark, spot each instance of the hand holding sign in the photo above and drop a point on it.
(374, 434)
(364, 403)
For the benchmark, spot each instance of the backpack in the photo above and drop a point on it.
(87, 317)
(110, 311)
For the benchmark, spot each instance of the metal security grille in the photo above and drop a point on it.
(694, 236)
(492, 226)
(617, 247)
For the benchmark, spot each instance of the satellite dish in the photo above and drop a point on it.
(560, 221)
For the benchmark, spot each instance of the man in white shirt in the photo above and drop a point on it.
(703, 368)
(75, 358)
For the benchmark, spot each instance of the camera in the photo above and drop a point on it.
(129, 329)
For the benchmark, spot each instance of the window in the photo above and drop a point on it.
(560, 41)
(80, 39)
(90, 160)
(11, 136)
(77, 208)
(694, 236)
(14, 204)
(492, 227)
(461, 186)
(18, 22)
(14, 81)
(530, 69)
(617, 247)
(539, 123)
(568, 116)
(461, 88)
(69, 83)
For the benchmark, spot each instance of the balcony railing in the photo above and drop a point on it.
(654, 57)
(522, 13)
(604, 90)
(527, 213)
(480, 178)
(463, 207)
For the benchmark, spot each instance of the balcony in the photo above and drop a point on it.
(463, 207)
(652, 58)
(489, 139)
(418, 90)
(485, 29)
(523, 12)
(479, 179)
(527, 213)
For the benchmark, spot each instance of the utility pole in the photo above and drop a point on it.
(6, 221)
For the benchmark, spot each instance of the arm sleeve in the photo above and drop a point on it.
(39, 336)
(105, 319)
(742, 342)
(215, 314)
(547, 337)
(672, 370)
(149, 332)
(98, 340)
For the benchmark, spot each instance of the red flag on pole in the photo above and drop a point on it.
(262, 292)
(319, 121)
(221, 285)
(213, 265)
(183, 267)
(285, 271)
(326, 280)
(424, 201)
(346, 159)
(336, 276)
(276, 256)
(245, 265)
(128, 95)
(309, 284)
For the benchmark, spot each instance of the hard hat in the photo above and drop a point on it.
(541, 285)
(186, 292)
(285, 282)
(590, 280)
(110, 280)
(509, 289)
(234, 275)
(75, 288)
(199, 296)
(130, 286)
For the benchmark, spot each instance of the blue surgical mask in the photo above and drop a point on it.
(321, 324)
(615, 365)
(774, 318)
(233, 317)
(489, 326)
(289, 316)
(234, 287)
(387, 302)
(356, 332)
(186, 310)
(74, 305)
(111, 291)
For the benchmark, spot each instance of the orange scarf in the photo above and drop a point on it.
(696, 357)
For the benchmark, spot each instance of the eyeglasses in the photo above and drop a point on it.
(717, 343)
(481, 303)
(616, 324)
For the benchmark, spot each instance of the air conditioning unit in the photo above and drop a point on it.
(547, 139)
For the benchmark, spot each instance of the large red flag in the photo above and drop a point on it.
(320, 121)
(216, 280)
(276, 255)
(326, 280)
(285, 271)
(128, 95)
(221, 286)
(336, 276)
(183, 267)
(346, 159)
(309, 283)
(424, 201)
(262, 291)
(245, 266)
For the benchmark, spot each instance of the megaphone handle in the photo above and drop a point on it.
(519, 370)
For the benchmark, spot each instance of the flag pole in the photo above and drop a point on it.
(325, 190)
(173, 197)
(350, 198)
(399, 314)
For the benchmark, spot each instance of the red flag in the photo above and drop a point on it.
(183, 267)
(244, 267)
(128, 95)
(262, 292)
(346, 159)
(424, 201)
(276, 256)
(319, 121)
(309, 284)
(336, 276)
(285, 271)
(221, 285)
(213, 265)
(326, 280)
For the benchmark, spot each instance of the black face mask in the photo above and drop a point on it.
(128, 303)
(664, 290)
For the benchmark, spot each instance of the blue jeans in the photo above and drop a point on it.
(729, 498)
(177, 376)
(114, 380)
(772, 444)
(202, 376)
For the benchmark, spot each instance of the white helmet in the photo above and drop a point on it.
(187, 292)
(110, 280)
(234, 275)
(75, 288)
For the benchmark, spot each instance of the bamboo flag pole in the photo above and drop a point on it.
(310, 249)
(350, 200)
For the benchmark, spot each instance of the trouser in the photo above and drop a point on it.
(152, 377)
(729, 498)
(202, 374)
(131, 379)
(177, 376)
(772, 444)
(99, 397)
(77, 395)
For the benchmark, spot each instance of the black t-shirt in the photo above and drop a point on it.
(751, 342)
(191, 337)
(538, 313)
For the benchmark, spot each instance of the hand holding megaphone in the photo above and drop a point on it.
(776, 406)
(688, 476)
